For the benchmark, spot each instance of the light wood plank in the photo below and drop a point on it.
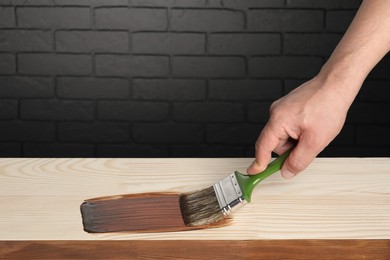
(335, 198)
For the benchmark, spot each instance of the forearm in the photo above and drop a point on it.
(364, 44)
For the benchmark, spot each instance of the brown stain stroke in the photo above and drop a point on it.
(143, 212)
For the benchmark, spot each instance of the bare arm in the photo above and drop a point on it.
(314, 113)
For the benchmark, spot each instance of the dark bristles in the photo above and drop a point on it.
(200, 208)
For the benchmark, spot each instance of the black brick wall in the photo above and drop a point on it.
(167, 78)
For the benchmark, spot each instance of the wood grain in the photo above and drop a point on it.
(341, 198)
(198, 249)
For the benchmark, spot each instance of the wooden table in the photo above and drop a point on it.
(337, 209)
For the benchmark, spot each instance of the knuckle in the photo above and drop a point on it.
(296, 165)
(273, 106)
(315, 144)
(257, 145)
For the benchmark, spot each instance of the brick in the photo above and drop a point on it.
(50, 109)
(237, 89)
(377, 91)
(10, 150)
(93, 132)
(369, 113)
(339, 20)
(19, 131)
(105, 2)
(165, 3)
(356, 151)
(251, 3)
(158, 133)
(233, 133)
(209, 20)
(25, 2)
(291, 84)
(244, 44)
(258, 112)
(310, 44)
(208, 112)
(207, 151)
(374, 135)
(92, 41)
(132, 66)
(8, 109)
(92, 2)
(54, 64)
(132, 150)
(381, 70)
(296, 67)
(215, 3)
(25, 40)
(212, 67)
(250, 150)
(132, 110)
(169, 89)
(168, 43)
(7, 17)
(80, 88)
(134, 19)
(336, 4)
(285, 20)
(58, 150)
(22, 87)
(346, 136)
(54, 17)
(65, 2)
(7, 63)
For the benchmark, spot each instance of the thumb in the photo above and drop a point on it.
(300, 157)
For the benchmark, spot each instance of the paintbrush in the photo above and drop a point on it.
(161, 212)
(215, 203)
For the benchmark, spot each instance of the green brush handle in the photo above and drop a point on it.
(248, 182)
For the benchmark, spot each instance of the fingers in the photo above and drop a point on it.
(265, 144)
(284, 146)
(300, 157)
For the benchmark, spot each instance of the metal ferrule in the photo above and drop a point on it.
(229, 194)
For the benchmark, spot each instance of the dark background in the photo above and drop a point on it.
(166, 78)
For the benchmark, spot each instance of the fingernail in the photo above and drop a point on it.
(249, 170)
(287, 174)
(250, 166)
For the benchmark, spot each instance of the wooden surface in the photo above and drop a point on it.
(198, 249)
(343, 198)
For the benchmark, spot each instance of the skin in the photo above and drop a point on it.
(313, 114)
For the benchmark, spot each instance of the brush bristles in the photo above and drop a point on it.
(200, 208)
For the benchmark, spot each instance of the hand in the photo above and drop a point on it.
(310, 116)
(314, 113)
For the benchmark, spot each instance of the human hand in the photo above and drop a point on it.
(309, 118)
(314, 113)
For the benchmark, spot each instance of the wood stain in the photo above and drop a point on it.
(144, 212)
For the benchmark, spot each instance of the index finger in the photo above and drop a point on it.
(265, 144)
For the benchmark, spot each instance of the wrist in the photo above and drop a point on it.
(342, 80)
(343, 72)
